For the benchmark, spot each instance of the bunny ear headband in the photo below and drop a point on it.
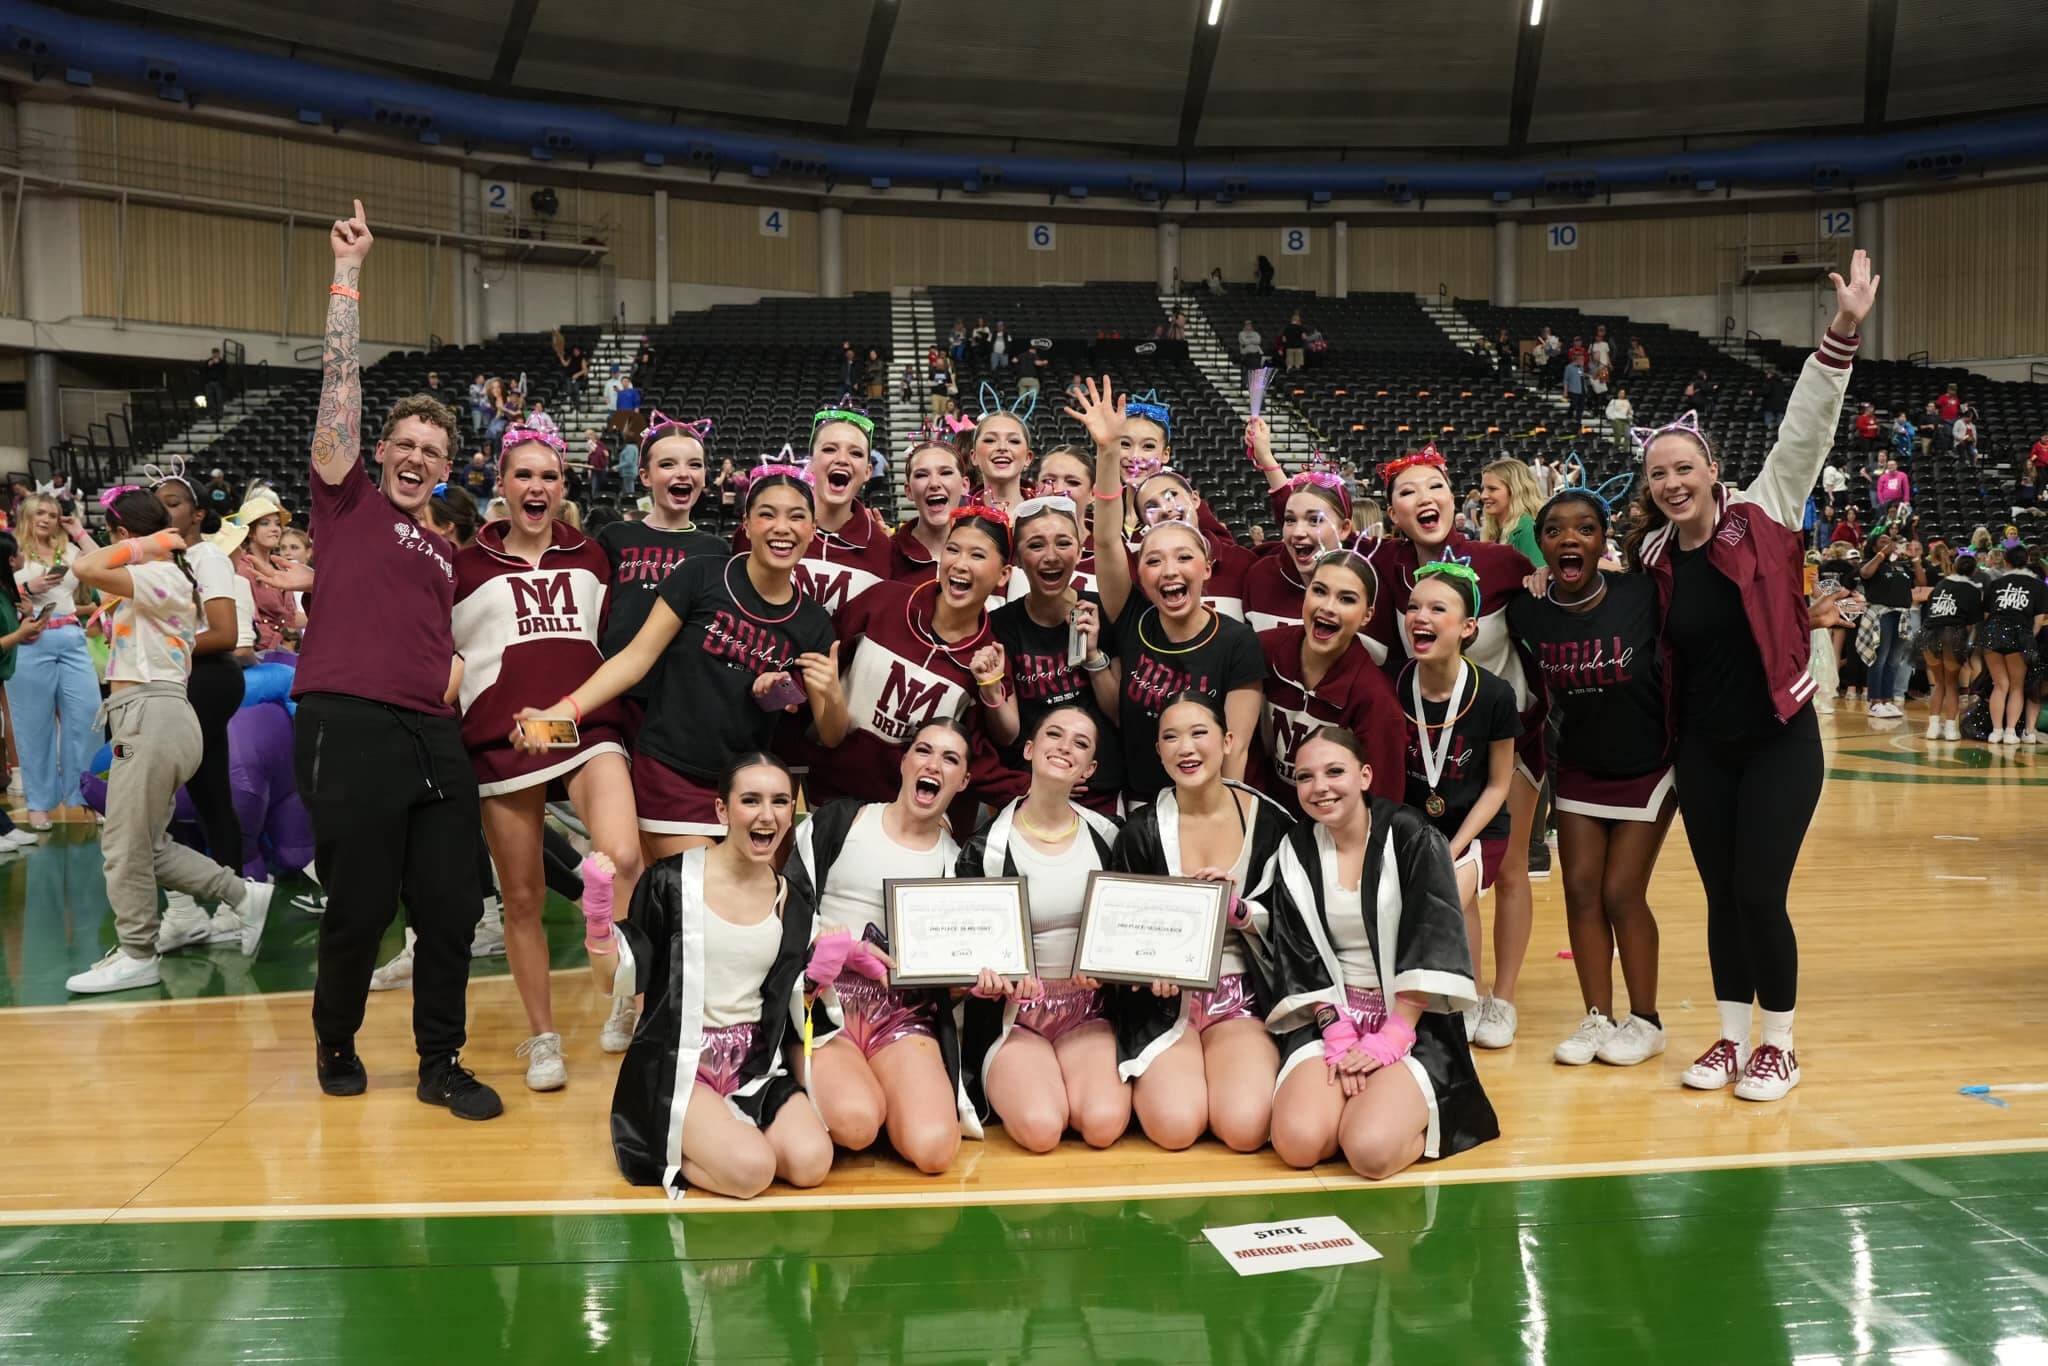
(1688, 424)
(661, 425)
(992, 404)
(173, 469)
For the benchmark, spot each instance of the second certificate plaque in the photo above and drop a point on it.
(1136, 928)
(944, 931)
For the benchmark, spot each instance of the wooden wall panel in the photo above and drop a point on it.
(1967, 274)
(1416, 260)
(711, 243)
(884, 250)
(625, 224)
(1237, 250)
(1627, 257)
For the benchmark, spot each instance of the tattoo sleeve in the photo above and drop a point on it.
(337, 432)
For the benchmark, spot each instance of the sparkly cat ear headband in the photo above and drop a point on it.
(844, 411)
(1149, 406)
(517, 436)
(781, 466)
(1322, 473)
(992, 404)
(661, 425)
(1428, 457)
(1459, 571)
(1688, 424)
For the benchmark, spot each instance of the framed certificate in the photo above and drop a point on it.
(1136, 928)
(944, 930)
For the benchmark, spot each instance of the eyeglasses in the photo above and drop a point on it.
(408, 446)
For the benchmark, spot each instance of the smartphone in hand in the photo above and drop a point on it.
(551, 732)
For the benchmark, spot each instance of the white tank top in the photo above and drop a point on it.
(852, 898)
(1057, 883)
(1240, 874)
(737, 960)
(1349, 939)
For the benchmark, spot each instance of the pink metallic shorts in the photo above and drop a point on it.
(877, 1016)
(1060, 1012)
(1231, 1000)
(723, 1054)
(1365, 1008)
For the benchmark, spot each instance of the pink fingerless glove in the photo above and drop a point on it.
(828, 957)
(597, 874)
(1390, 1043)
(863, 960)
(1340, 1036)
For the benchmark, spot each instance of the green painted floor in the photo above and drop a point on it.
(1931, 1261)
(55, 921)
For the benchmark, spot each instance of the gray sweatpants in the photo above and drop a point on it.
(157, 746)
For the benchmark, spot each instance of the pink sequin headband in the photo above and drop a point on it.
(777, 466)
(108, 495)
(660, 424)
(519, 436)
(1320, 474)
(1688, 424)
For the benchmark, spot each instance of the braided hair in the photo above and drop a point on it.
(139, 512)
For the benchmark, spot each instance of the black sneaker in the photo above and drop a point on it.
(1539, 861)
(341, 1071)
(445, 1081)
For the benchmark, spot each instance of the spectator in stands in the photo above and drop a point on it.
(560, 345)
(55, 692)
(1868, 434)
(629, 467)
(629, 396)
(1504, 353)
(1216, 280)
(1509, 501)
(434, 382)
(2038, 458)
(578, 368)
(1263, 272)
(501, 412)
(728, 485)
(1932, 435)
(1575, 388)
(599, 459)
(1600, 353)
(1894, 486)
(1699, 391)
(939, 382)
(1575, 354)
(215, 380)
(1849, 530)
(956, 345)
(1294, 341)
(999, 344)
(539, 419)
(1832, 479)
(613, 383)
(1964, 431)
(219, 495)
(1029, 364)
(1177, 325)
(1548, 342)
(1621, 414)
(849, 367)
(873, 376)
(476, 476)
(1638, 358)
(1950, 405)
(1771, 400)
(479, 404)
(1903, 435)
(1596, 383)
(907, 390)
(978, 340)
(1251, 347)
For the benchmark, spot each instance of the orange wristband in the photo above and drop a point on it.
(346, 292)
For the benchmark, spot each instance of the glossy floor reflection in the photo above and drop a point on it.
(1929, 1260)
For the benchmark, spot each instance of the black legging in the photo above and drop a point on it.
(215, 691)
(1746, 809)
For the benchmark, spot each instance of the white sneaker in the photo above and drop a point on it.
(1719, 1066)
(1772, 1072)
(20, 837)
(489, 939)
(2027, 737)
(181, 925)
(2009, 737)
(1950, 730)
(116, 972)
(1586, 1041)
(1934, 727)
(254, 911)
(225, 927)
(1636, 1041)
(619, 1026)
(1496, 1023)
(544, 1068)
(396, 973)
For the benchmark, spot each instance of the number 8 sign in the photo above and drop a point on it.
(1294, 241)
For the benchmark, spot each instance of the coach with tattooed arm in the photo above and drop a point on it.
(380, 759)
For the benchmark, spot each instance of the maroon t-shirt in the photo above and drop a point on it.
(379, 628)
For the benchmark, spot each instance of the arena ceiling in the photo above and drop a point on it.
(1270, 74)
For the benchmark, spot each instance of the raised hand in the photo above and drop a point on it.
(350, 238)
(989, 662)
(1100, 411)
(1855, 296)
(297, 578)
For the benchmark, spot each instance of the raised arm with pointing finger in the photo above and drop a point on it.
(338, 431)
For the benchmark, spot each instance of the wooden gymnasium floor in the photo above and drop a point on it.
(175, 1187)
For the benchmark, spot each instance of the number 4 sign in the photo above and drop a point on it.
(774, 221)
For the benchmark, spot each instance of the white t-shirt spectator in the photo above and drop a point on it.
(1832, 479)
(1250, 343)
(1963, 430)
(1603, 354)
(611, 393)
(1620, 410)
(61, 598)
(151, 638)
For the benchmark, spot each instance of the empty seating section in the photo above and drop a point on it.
(1390, 380)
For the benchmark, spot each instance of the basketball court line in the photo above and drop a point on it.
(826, 1201)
